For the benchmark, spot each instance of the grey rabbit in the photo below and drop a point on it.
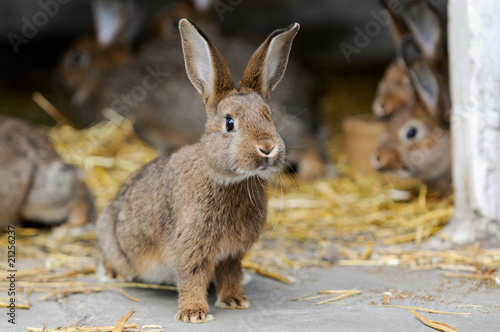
(35, 184)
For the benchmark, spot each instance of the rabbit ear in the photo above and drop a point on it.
(206, 68)
(267, 65)
(117, 21)
(422, 75)
(424, 23)
(398, 27)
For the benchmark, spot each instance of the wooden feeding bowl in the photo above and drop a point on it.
(361, 136)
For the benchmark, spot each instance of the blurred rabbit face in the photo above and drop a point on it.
(394, 91)
(414, 144)
(166, 23)
(83, 67)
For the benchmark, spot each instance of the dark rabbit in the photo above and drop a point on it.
(35, 184)
(179, 219)
(151, 87)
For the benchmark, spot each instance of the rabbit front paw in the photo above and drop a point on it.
(233, 302)
(193, 315)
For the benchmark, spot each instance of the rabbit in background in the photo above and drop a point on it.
(35, 184)
(150, 86)
(180, 219)
(395, 90)
(165, 24)
(417, 139)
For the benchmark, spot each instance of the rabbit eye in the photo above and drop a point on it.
(78, 59)
(229, 123)
(411, 133)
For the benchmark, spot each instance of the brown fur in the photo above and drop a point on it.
(414, 94)
(165, 24)
(178, 220)
(420, 20)
(35, 184)
(426, 157)
(394, 91)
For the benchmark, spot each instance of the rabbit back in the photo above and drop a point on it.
(35, 183)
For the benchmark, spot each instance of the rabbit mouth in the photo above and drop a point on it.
(265, 169)
(271, 164)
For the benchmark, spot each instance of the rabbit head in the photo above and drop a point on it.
(429, 31)
(422, 22)
(394, 91)
(240, 139)
(414, 144)
(431, 83)
(166, 22)
(84, 65)
(417, 138)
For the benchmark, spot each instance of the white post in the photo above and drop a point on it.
(474, 47)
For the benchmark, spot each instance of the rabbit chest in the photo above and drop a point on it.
(219, 222)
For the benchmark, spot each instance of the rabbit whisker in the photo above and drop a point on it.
(289, 164)
(263, 182)
(253, 184)
(293, 175)
(249, 193)
(275, 185)
(281, 206)
(289, 122)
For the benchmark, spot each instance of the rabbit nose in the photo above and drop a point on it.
(266, 150)
(384, 159)
(379, 108)
(375, 160)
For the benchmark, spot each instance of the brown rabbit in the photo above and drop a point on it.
(178, 220)
(421, 20)
(152, 88)
(417, 139)
(394, 91)
(415, 144)
(35, 184)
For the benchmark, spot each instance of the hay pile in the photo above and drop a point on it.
(108, 152)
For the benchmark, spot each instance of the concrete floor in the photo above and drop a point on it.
(273, 310)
